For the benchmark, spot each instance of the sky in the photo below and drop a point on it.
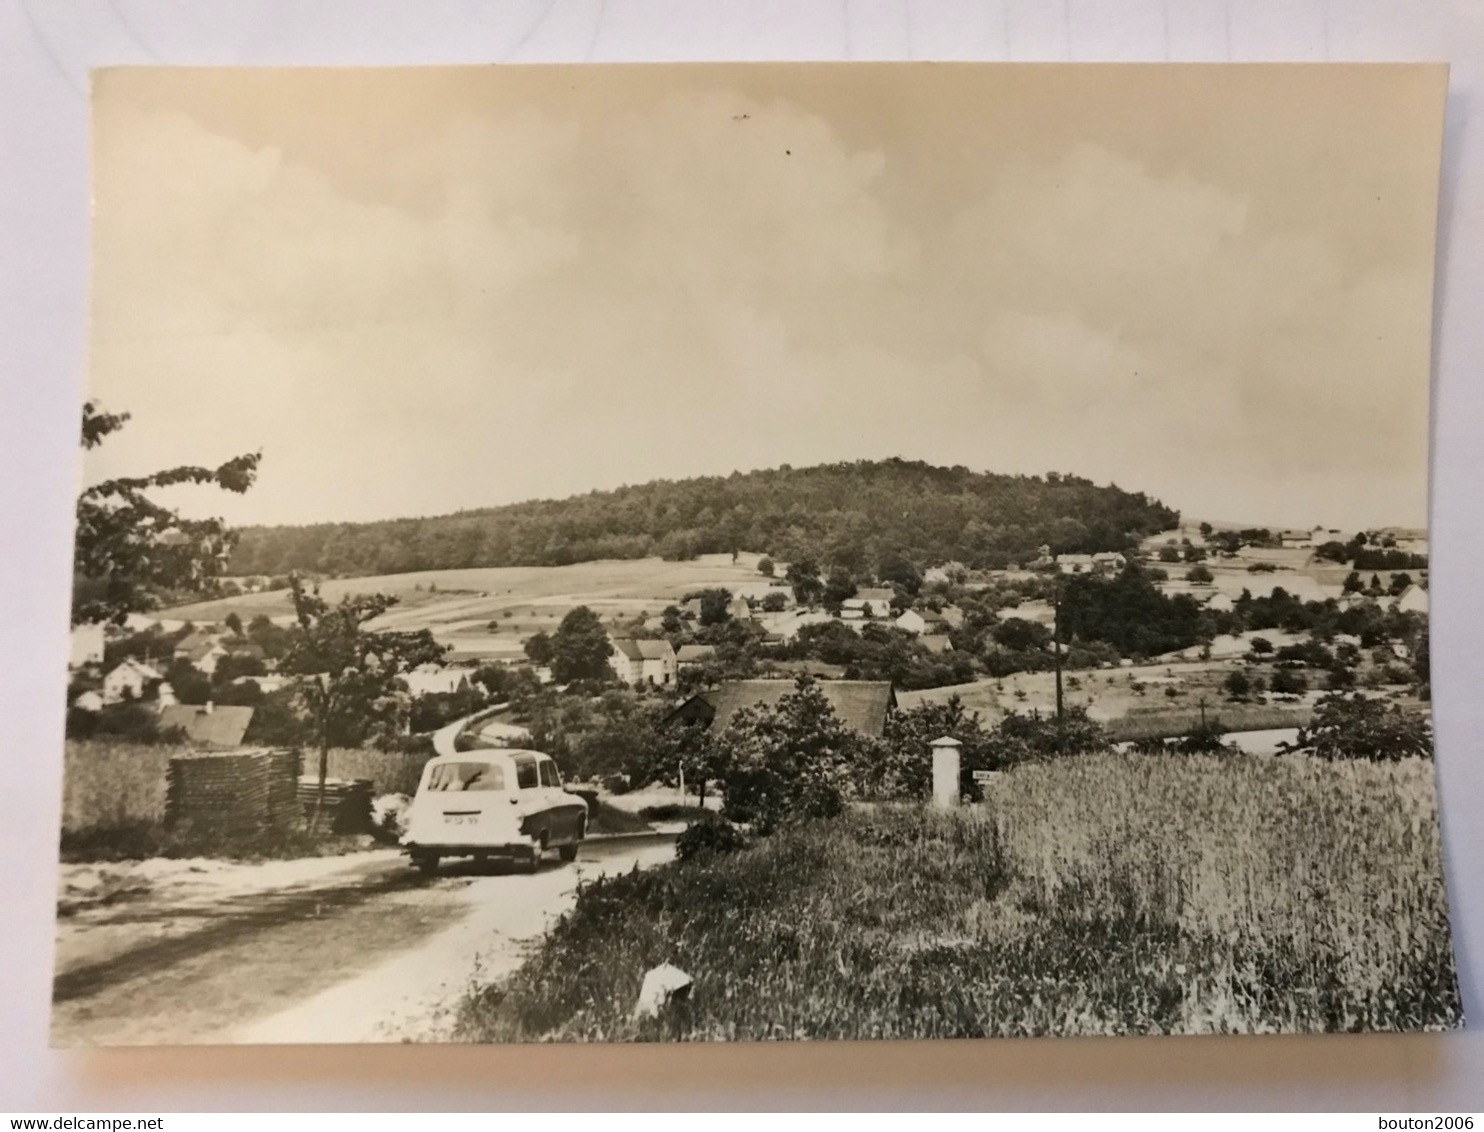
(417, 291)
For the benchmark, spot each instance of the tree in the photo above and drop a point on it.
(714, 603)
(1399, 582)
(129, 549)
(233, 665)
(1237, 684)
(900, 764)
(188, 683)
(839, 588)
(580, 647)
(1169, 554)
(784, 762)
(1353, 584)
(1020, 635)
(803, 577)
(1289, 682)
(765, 566)
(1022, 738)
(1200, 575)
(897, 570)
(774, 602)
(1129, 612)
(349, 680)
(1354, 727)
(234, 623)
(538, 649)
(1261, 646)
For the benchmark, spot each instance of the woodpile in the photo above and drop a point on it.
(347, 805)
(232, 792)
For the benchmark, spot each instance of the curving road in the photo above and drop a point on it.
(365, 953)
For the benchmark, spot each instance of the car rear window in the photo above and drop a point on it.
(549, 773)
(525, 772)
(467, 776)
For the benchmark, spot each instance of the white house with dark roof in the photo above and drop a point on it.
(128, 680)
(201, 650)
(920, 621)
(638, 662)
(874, 602)
(1413, 599)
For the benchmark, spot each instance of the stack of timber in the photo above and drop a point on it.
(232, 792)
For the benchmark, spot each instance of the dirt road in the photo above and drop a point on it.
(368, 952)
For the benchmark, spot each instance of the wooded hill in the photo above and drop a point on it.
(848, 514)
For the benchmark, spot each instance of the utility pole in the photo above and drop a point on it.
(1056, 654)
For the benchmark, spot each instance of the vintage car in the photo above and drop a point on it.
(493, 803)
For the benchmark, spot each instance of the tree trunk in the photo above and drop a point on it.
(319, 793)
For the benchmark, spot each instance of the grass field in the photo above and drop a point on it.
(1107, 693)
(458, 605)
(1098, 895)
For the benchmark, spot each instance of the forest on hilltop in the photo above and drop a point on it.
(847, 514)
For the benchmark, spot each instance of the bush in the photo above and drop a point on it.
(709, 836)
(1355, 727)
(784, 762)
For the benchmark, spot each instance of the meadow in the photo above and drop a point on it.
(1105, 894)
(460, 605)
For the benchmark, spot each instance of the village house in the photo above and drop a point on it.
(1109, 560)
(1296, 540)
(200, 650)
(1413, 599)
(206, 725)
(128, 681)
(85, 646)
(693, 656)
(1075, 563)
(919, 621)
(739, 610)
(638, 662)
(786, 625)
(861, 705)
(868, 603)
(434, 680)
(935, 642)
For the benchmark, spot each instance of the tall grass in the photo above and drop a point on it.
(110, 785)
(1107, 894)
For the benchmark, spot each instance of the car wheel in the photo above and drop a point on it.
(568, 852)
(536, 851)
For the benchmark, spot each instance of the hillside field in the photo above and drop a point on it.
(458, 605)
(1105, 894)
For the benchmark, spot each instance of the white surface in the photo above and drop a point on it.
(45, 53)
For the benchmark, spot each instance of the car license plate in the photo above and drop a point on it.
(461, 819)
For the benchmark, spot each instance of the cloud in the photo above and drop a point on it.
(524, 301)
